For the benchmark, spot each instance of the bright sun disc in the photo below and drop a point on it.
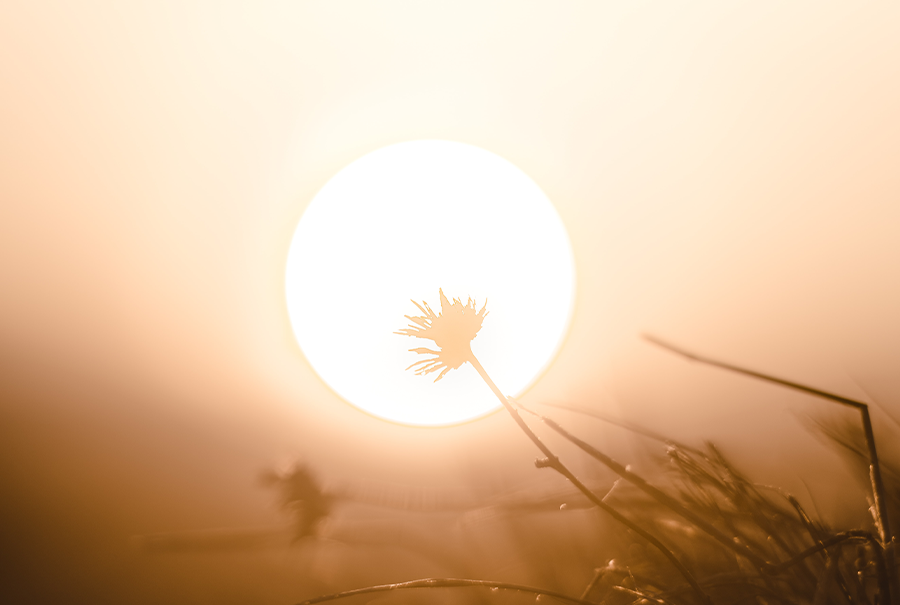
(400, 223)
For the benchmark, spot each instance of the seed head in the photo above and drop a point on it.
(452, 330)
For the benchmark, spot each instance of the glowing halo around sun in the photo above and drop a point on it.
(400, 223)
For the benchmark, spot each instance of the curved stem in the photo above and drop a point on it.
(444, 583)
(553, 461)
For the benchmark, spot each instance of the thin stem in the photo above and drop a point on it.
(878, 490)
(444, 583)
(598, 574)
(553, 461)
(655, 493)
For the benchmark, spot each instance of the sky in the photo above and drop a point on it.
(727, 174)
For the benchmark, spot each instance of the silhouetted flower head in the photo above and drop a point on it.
(451, 330)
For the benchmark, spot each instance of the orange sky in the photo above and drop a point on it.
(728, 174)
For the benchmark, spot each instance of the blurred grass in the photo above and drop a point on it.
(781, 553)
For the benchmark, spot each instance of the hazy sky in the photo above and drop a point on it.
(729, 174)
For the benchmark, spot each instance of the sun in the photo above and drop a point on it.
(400, 223)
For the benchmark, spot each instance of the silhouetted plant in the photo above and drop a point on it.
(722, 539)
(452, 332)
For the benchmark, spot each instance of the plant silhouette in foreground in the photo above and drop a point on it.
(452, 331)
(722, 539)
(879, 494)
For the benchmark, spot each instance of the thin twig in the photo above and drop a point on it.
(445, 583)
(598, 573)
(552, 461)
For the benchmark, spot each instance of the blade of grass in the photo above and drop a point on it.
(878, 490)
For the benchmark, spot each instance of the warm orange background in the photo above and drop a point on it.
(729, 174)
